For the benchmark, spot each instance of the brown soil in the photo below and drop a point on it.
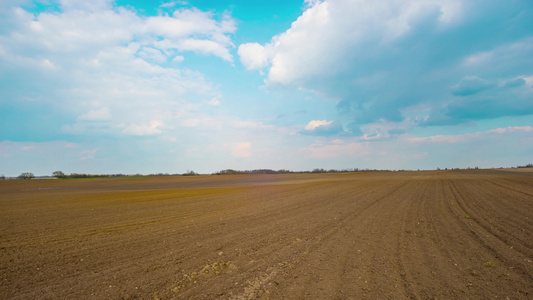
(397, 235)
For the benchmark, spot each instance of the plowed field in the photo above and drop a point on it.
(383, 235)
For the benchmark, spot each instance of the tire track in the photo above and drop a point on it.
(507, 187)
(516, 268)
(488, 225)
(423, 247)
(395, 235)
(318, 252)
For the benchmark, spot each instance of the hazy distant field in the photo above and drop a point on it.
(422, 235)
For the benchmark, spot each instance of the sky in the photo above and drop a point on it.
(107, 87)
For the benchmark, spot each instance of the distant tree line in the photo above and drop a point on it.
(467, 168)
(259, 171)
(190, 173)
(61, 175)
(162, 174)
(283, 171)
(526, 166)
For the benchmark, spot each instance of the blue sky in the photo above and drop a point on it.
(169, 86)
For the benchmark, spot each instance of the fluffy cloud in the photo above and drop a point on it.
(314, 124)
(377, 59)
(329, 31)
(193, 30)
(323, 127)
(86, 28)
(104, 64)
(253, 56)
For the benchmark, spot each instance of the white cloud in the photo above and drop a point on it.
(144, 129)
(314, 124)
(152, 54)
(529, 80)
(488, 148)
(478, 58)
(511, 129)
(224, 123)
(192, 30)
(178, 58)
(253, 56)
(215, 101)
(47, 64)
(89, 60)
(323, 127)
(378, 58)
(328, 31)
(242, 150)
(100, 114)
(173, 4)
(89, 154)
(93, 5)
(470, 137)
(205, 47)
(83, 29)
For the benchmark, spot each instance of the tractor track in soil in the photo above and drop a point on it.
(373, 235)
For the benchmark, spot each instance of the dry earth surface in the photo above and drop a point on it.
(396, 235)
